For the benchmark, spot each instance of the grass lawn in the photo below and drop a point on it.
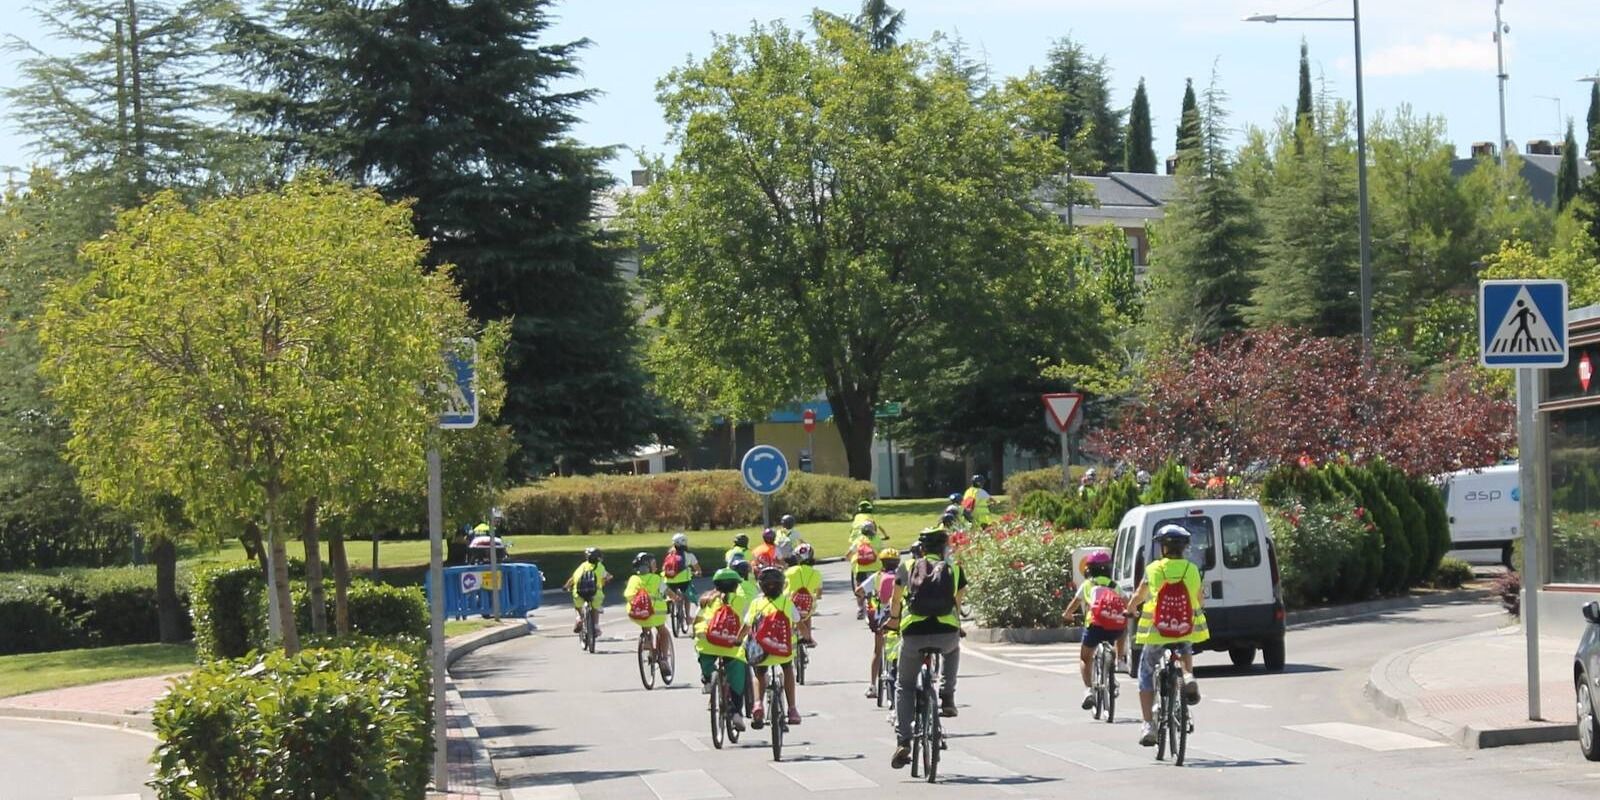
(33, 672)
(457, 627)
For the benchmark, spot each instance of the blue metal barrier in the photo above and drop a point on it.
(520, 589)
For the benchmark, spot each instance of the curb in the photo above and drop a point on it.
(127, 722)
(1387, 685)
(1370, 607)
(454, 651)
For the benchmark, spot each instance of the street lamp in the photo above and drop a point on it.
(1361, 163)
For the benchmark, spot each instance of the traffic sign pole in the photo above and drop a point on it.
(1528, 465)
(494, 567)
(1066, 462)
(436, 612)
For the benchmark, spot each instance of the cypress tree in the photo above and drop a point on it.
(1188, 120)
(1302, 105)
(1594, 121)
(1141, 153)
(1085, 86)
(452, 104)
(1567, 175)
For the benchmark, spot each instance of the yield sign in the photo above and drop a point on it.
(1061, 408)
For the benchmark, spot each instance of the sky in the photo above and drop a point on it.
(1436, 55)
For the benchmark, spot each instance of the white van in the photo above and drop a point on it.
(1483, 508)
(1240, 588)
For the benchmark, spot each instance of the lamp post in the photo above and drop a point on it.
(1500, 31)
(1361, 164)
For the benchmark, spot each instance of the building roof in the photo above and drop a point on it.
(1125, 198)
(1538, 170)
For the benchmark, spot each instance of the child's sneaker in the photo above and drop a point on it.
(1088, 698)
(1191, 690)
(1147, 734)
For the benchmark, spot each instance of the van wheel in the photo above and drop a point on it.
(1242, 657)
(1505, 557)
(1272, 654)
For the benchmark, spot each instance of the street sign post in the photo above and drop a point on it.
(1522, 325)
(808, 421)
(460, 411)
(461, 393)
(765, 471)
(1061, 416)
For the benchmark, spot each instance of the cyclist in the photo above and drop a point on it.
(975, 503)
(879, 589)
(680, 567)
(771, 622)
(924, 612)
(646, 596)
(950, 520)
(803, 582)
(788, 539)
(1106, 613)
(863, 516)
(718, 636)
(740, 549)
(747, 587)
(766, 553)
(1086, 484)
(1169, 601)
(863, 558)
(588, 581)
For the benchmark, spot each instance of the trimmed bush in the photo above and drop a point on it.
(1319, 551)
(672, 501)
(349, 722)
(1434, 517)
(1362, 581)
(32, 621)
(1022, 484)
(1042, 504)
(229, 611)
(376, 609)
(1452, 573)
(1020, 572)
(1412, 520)
(106, 606)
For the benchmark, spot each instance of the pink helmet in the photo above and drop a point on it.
(1099, 557)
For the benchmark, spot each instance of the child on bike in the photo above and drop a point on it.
(680, 567)
(588, 581)
(1106, 616)
(766, 554)
(771, 622)
(740, 549)
(789, 539)
(878, 588)
(646, 596)
(863, 555)
(719, 636)
(1169, 601)
(803, 582)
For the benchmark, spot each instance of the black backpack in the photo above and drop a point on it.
(587, 583)
(932, 589)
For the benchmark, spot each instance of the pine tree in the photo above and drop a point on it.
(1594, 121)
(1567, 174)
(1200, 270)
(881, 22)
(1188, 121)
(1302, 106)
(1085, 86)
(453, 104)
(1141, 154)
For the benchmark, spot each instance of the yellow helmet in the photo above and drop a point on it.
(888, 554)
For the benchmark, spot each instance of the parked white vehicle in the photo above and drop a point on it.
(1483, 508)
(1240, 584)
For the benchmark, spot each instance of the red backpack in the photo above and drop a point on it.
(774, 633)
(1174, 613)
(722, 630)
(672, 564)
(865, 555)
(803, 601)
(1109, 610)
(640, 606)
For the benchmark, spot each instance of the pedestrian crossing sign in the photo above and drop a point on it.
(1522, 323)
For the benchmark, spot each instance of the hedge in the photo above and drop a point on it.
(1022, 484)
(1319, 546)
(33, 622)
(353, 722)
(83, 608)
(671, 501)
(230, 611)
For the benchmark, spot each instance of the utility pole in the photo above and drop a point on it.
(1500, 30)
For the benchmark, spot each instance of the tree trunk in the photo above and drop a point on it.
(253, 548)
(280, 588)
(341, 582)
(997, 467)
(316, 595)
(168, 614)
(852, 412)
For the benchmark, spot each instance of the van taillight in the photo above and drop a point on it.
(1272, 558)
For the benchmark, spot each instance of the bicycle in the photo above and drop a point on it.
(721, 705)
(591, 627)
(682, 621)
(801, 658)
(927, 738)
(651, 662)
(777, 716)
(1103, 677)
(1172, 713)
(888, 676)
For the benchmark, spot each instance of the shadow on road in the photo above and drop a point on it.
(503, 731)
(1206, 763)
(534, 750)
(1224, 671)
(575, 777)
(471, 694)
(995, 780)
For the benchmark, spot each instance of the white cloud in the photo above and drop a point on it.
(1436, 53)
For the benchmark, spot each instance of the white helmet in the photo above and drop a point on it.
(680, 540)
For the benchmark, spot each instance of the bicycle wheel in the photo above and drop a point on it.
(647, 661)
(1096, 683)
(591, 629)
(917, 746)
(717, 706)
(1180, 732)
(800, 666)
(1109, 672)
(776, 712)
(1163, 716)
(669, 665)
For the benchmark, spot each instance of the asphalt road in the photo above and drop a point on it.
(42, 760)
(565, 724)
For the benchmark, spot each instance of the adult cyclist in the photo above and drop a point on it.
(789, 539)
(925, 614)
(588, 582)
(1168, 599)
(680, 567)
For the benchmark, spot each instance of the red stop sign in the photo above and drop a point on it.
(808, 420)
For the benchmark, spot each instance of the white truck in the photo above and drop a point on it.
(1484, 508)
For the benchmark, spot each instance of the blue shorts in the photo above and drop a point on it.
(1093, 635)
(1150, 661)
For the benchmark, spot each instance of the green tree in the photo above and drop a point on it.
(1189, 133)
(1567, 173)
(247, 356)
(880, 22)
(1141, 153)
(1084, 117)
(1206, 245)
(1304, 114)
(454, 105)
(831, 207)
(1593, 121)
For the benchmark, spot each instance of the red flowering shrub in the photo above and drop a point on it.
(1020, 571)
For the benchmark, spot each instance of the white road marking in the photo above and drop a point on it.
(977, 653)
(964, 764)
(1256, 706)
(1220, 700)
(1365, 736)
(689, 739)
(554, 791)
(1090, 755)
(1232, 748)
(822, 776)
(1489, 614)
(687, 784)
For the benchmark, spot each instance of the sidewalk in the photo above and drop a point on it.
(1473, 689)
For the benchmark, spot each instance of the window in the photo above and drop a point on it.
(1241, 544)
(1122, 561)
(1200, 541)
(1574, 548)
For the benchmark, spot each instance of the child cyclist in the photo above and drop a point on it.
(1106, 617)
(719, 636)
(878, 589)
(771, 622)
(680, 567)
(1170, 614)
(863, 557)
(588, 581)
(803, 582)
(646, 596)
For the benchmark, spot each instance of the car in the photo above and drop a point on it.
(1241, 586)
(1586, 682)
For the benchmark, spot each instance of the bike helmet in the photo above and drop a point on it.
(769, 577)
(1173, 531)
(741, 540)
(740, 566)
(865, 506)
(948, 518)
(769, 535)
(1098, 564)
(978, 481)
(915, 550)
(642, 561)
(726, 580)
(1089, 474)
(804, 553)
(890, 558)
(933, 540)
(869, 528)
(955, 498)
(591, 555)
(787, 521)
(680, 540)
